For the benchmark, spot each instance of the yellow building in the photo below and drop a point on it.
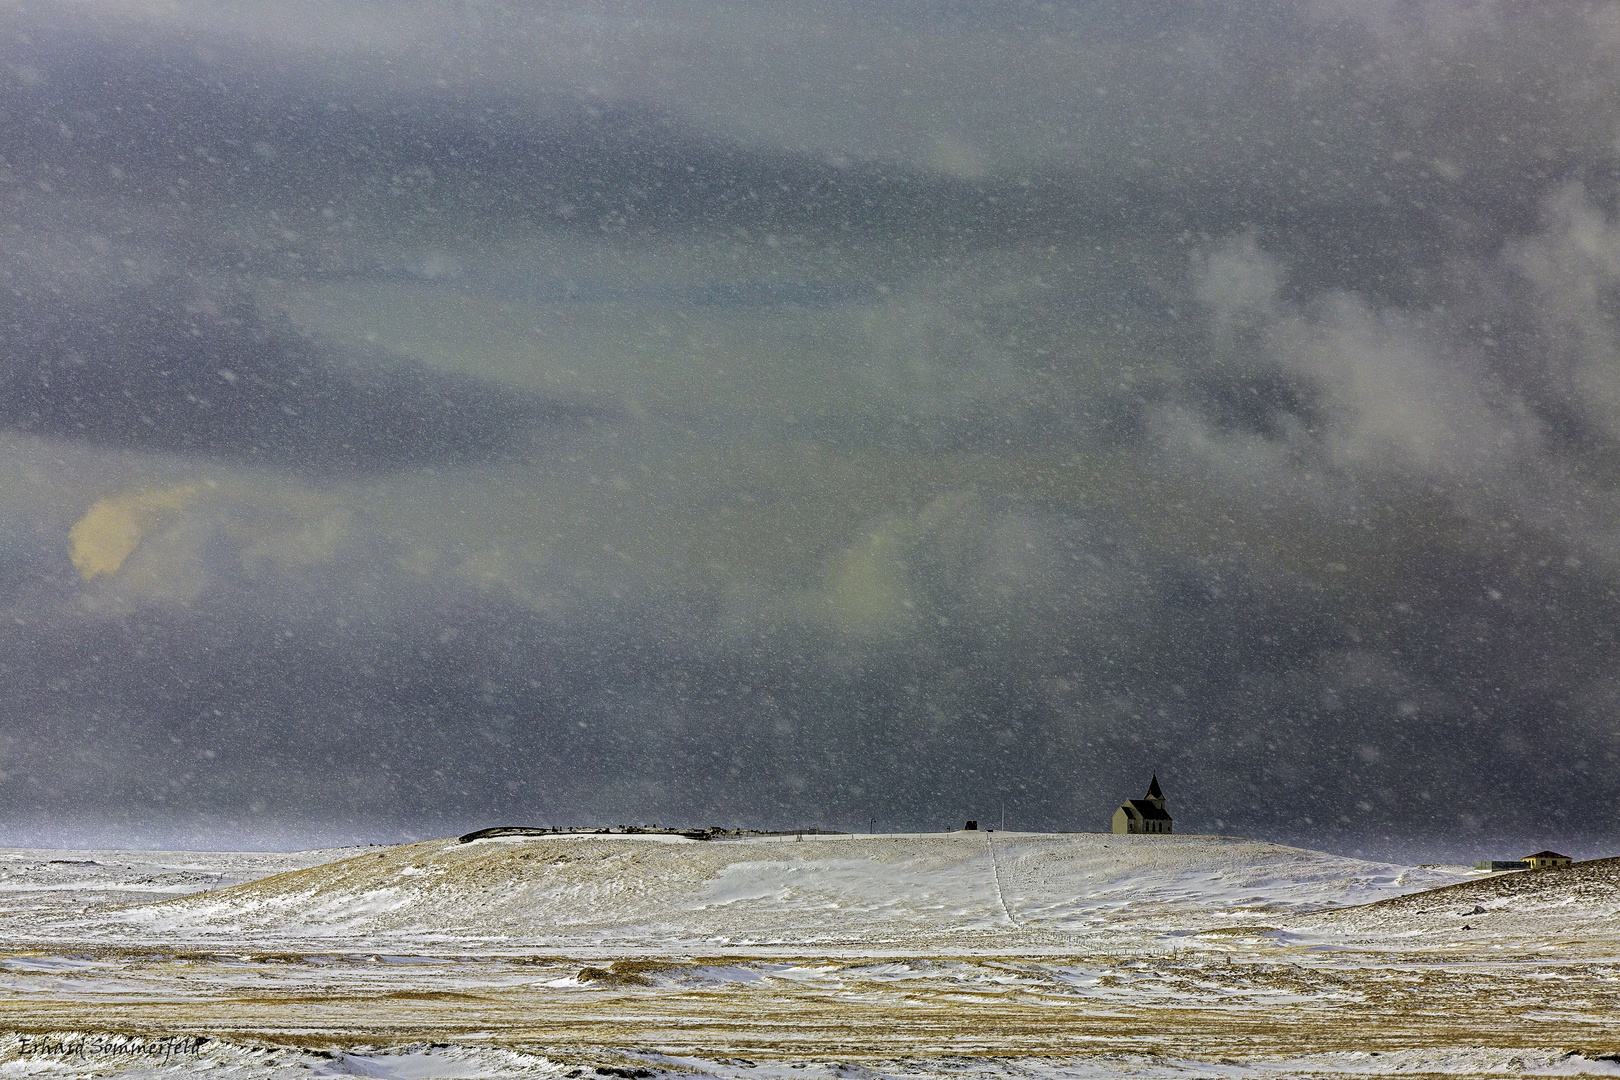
(1543, 860)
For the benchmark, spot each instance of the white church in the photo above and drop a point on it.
(1144, 815)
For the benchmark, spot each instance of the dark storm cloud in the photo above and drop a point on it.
(1223, 389)
(300, 702)
(123, 110)
(162, 366)
(154, 123)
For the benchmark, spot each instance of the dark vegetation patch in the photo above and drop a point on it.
(625, 972)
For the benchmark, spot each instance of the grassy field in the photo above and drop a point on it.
(1465, 979)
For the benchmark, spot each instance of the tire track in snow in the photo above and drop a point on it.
(995, 874)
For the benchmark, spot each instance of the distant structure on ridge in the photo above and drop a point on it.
(1541, 860)
(1144, 815)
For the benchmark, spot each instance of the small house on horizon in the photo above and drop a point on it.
(1541, 860)
(1144, 815)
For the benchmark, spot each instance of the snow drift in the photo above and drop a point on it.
(934, 890)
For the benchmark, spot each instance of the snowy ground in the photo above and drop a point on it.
(968, 953)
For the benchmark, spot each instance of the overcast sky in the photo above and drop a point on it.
(416, 417)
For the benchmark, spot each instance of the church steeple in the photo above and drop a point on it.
(1144, 815)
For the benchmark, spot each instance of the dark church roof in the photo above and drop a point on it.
(1148, 810)
(1153, 788)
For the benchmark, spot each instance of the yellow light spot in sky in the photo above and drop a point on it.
(865, 592)
(114, 527)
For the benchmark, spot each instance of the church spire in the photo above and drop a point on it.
(1144, 815)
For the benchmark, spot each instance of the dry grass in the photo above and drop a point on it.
(1203, 1009)
(626, 972)
(1405, 975)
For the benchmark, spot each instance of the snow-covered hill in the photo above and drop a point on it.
(986, 955)
(956, 890)
(1517, 908)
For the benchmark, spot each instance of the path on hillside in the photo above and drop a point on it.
(995, 872)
